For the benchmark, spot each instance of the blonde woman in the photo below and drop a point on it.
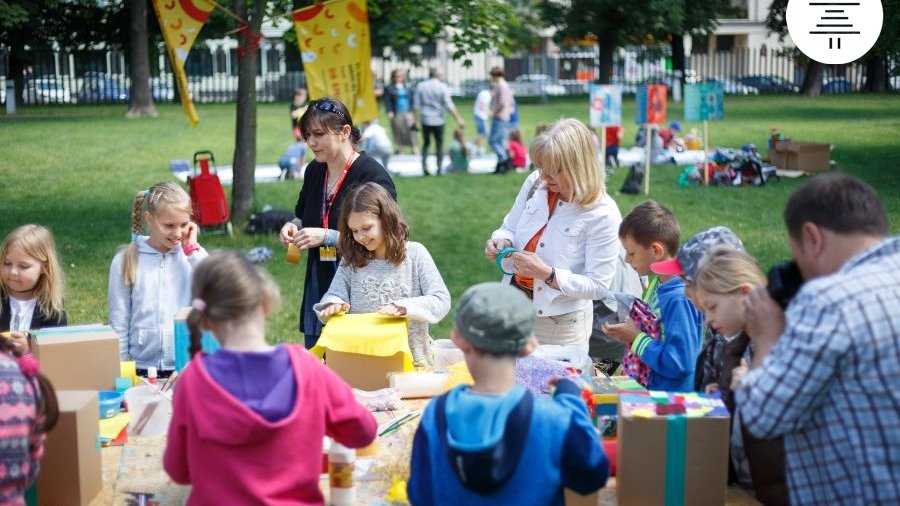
(563, 227)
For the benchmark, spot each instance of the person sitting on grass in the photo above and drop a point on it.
(494, 442)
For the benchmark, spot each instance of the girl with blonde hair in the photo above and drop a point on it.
(150, 279)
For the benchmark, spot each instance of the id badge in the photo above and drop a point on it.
(328, 254)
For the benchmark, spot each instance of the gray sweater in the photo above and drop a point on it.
(415, 284)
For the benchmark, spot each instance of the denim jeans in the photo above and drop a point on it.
(497, 139)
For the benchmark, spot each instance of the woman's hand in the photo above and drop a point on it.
(335, 308)
(288, 231)
(191, 230)
(626, 331)
(530, 265)
(17, 341)
(493, 246)
(309, 237)
(391, 310)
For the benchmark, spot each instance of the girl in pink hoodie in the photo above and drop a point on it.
(249, 419)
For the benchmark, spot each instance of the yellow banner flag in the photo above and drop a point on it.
(336, 50)
(181, 21)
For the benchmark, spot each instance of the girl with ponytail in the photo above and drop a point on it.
(150, 279)
(257, 438)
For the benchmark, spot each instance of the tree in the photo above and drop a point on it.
(696, 18)
(614, 22)
(776, 22)
(141, 98)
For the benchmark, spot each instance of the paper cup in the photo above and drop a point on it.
(293, 254)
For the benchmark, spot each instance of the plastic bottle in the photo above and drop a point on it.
(341, 461)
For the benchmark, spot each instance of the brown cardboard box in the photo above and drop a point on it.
(805, 156)
(70, 468)
(572, 498)
(642, 447)
(84, 357)
(365, 372)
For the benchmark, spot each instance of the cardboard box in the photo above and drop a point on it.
(671, 445)
(804, 156)
(208, 342)
(83, 357)
(70, 468)
(365, 372)
(572, 498)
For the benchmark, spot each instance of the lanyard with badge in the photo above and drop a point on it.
(329, 253)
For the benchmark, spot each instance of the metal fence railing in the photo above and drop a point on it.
(101, 76)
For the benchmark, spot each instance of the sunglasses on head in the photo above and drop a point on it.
(328, 106)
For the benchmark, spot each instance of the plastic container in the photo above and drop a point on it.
(150, 411)
(341, 462)
(110, 403)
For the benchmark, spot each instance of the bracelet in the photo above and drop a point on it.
(552, 276)
(331, 238)
(190, 248)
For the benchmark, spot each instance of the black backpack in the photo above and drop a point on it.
(634, 180)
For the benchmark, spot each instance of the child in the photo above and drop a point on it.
(459, 153)
(376, 142)
(690, 255)
(614, 135)
(291, 162)
(150, 280)
(31, 284)
(382, 271)
(257, 437)
(650, 234)
(721, 284)
(299, 103)
(28, 410)
(517, 152)
(494, 442)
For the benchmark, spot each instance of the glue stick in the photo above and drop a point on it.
(151, 375)
(341, 461)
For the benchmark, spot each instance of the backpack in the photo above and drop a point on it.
(633, 180)
(268, 222)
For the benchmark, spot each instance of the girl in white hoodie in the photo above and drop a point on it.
(150, 279)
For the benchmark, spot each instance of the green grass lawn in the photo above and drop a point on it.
(76, 169)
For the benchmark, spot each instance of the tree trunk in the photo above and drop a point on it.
(243, 189)
(17, 71)
(141, 99)
(812, 80)
(876, 74)
(678, 57)
(607, 49)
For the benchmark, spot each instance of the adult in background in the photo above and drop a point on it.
(825, 372)
(431, 101)
(328, 130)
(398, 101)
(502, 106)
(564, 228)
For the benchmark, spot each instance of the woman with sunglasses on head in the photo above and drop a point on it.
(560, 240)
(328, 130)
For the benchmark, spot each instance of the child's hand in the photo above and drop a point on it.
(391, 310)
(711, 388)
(191, 231)
(17, 340)
(626, 331)
(288, 231)
(335, 308)
(738, 373)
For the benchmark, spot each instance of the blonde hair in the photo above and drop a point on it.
(231, 289)
(724, 270)
(37, 242)
(568, 147)
(159, 195)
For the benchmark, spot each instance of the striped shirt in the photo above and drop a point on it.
(831, 385)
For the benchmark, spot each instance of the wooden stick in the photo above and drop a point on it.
(603, 149)
(705, 141)
(228, 12)
(647, 163)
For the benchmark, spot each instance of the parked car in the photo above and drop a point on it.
(536, 84)
(837, 85)
(768, 83)
(732, 87)
(100, 87)
(46, 90)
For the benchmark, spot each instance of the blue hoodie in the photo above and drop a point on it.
(516, 448)
(143, 315)
(673, 358)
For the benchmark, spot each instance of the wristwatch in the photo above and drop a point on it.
(552, 276)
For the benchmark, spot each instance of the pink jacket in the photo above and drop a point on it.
(231, 455)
